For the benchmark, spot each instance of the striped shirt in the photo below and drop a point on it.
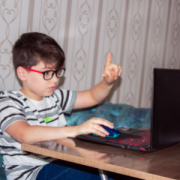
(14, 106)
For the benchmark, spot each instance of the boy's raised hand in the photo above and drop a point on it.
(111, 71)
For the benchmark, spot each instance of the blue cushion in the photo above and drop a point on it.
(2, 173)
(122, 115)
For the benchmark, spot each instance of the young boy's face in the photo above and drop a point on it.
(36, 87)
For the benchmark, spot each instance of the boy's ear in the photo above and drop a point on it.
(21, 73)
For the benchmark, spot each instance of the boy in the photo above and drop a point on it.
(35, 112)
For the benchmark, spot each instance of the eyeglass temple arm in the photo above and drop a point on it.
(33, 70)
(62, 68)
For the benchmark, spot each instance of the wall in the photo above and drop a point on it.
(140, 34)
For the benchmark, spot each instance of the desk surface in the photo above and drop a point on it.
(163, 164)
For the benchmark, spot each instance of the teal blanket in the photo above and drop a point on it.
(122, 115)
(2, 174)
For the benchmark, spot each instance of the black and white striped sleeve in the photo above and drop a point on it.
(66, 99)
(10, 112)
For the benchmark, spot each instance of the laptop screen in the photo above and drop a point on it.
(166, 108)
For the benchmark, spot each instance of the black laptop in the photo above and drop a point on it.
(165, 123)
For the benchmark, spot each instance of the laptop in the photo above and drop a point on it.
(165, 121)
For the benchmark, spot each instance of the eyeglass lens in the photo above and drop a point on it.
(49, 74)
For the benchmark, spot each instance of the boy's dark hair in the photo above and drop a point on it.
(31, 48)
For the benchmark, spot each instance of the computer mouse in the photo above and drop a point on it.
(113, 133)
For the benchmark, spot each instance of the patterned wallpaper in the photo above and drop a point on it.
(140, 34)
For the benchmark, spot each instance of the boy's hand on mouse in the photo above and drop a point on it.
(111, 71)
(93, 125)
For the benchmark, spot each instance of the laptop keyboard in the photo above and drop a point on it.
(145, 138)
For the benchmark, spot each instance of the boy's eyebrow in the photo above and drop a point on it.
(48, 67)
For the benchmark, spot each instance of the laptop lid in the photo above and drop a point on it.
(165, 108)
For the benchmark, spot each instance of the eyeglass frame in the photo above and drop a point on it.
(54, 72)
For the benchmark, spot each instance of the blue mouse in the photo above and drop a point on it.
(113, 133)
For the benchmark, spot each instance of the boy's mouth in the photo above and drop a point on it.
(53, 88)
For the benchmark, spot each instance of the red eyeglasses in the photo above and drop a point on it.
(47, 75)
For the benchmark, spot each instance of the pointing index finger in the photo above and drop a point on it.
(108, 61)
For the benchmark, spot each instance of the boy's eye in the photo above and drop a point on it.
(46, 72)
